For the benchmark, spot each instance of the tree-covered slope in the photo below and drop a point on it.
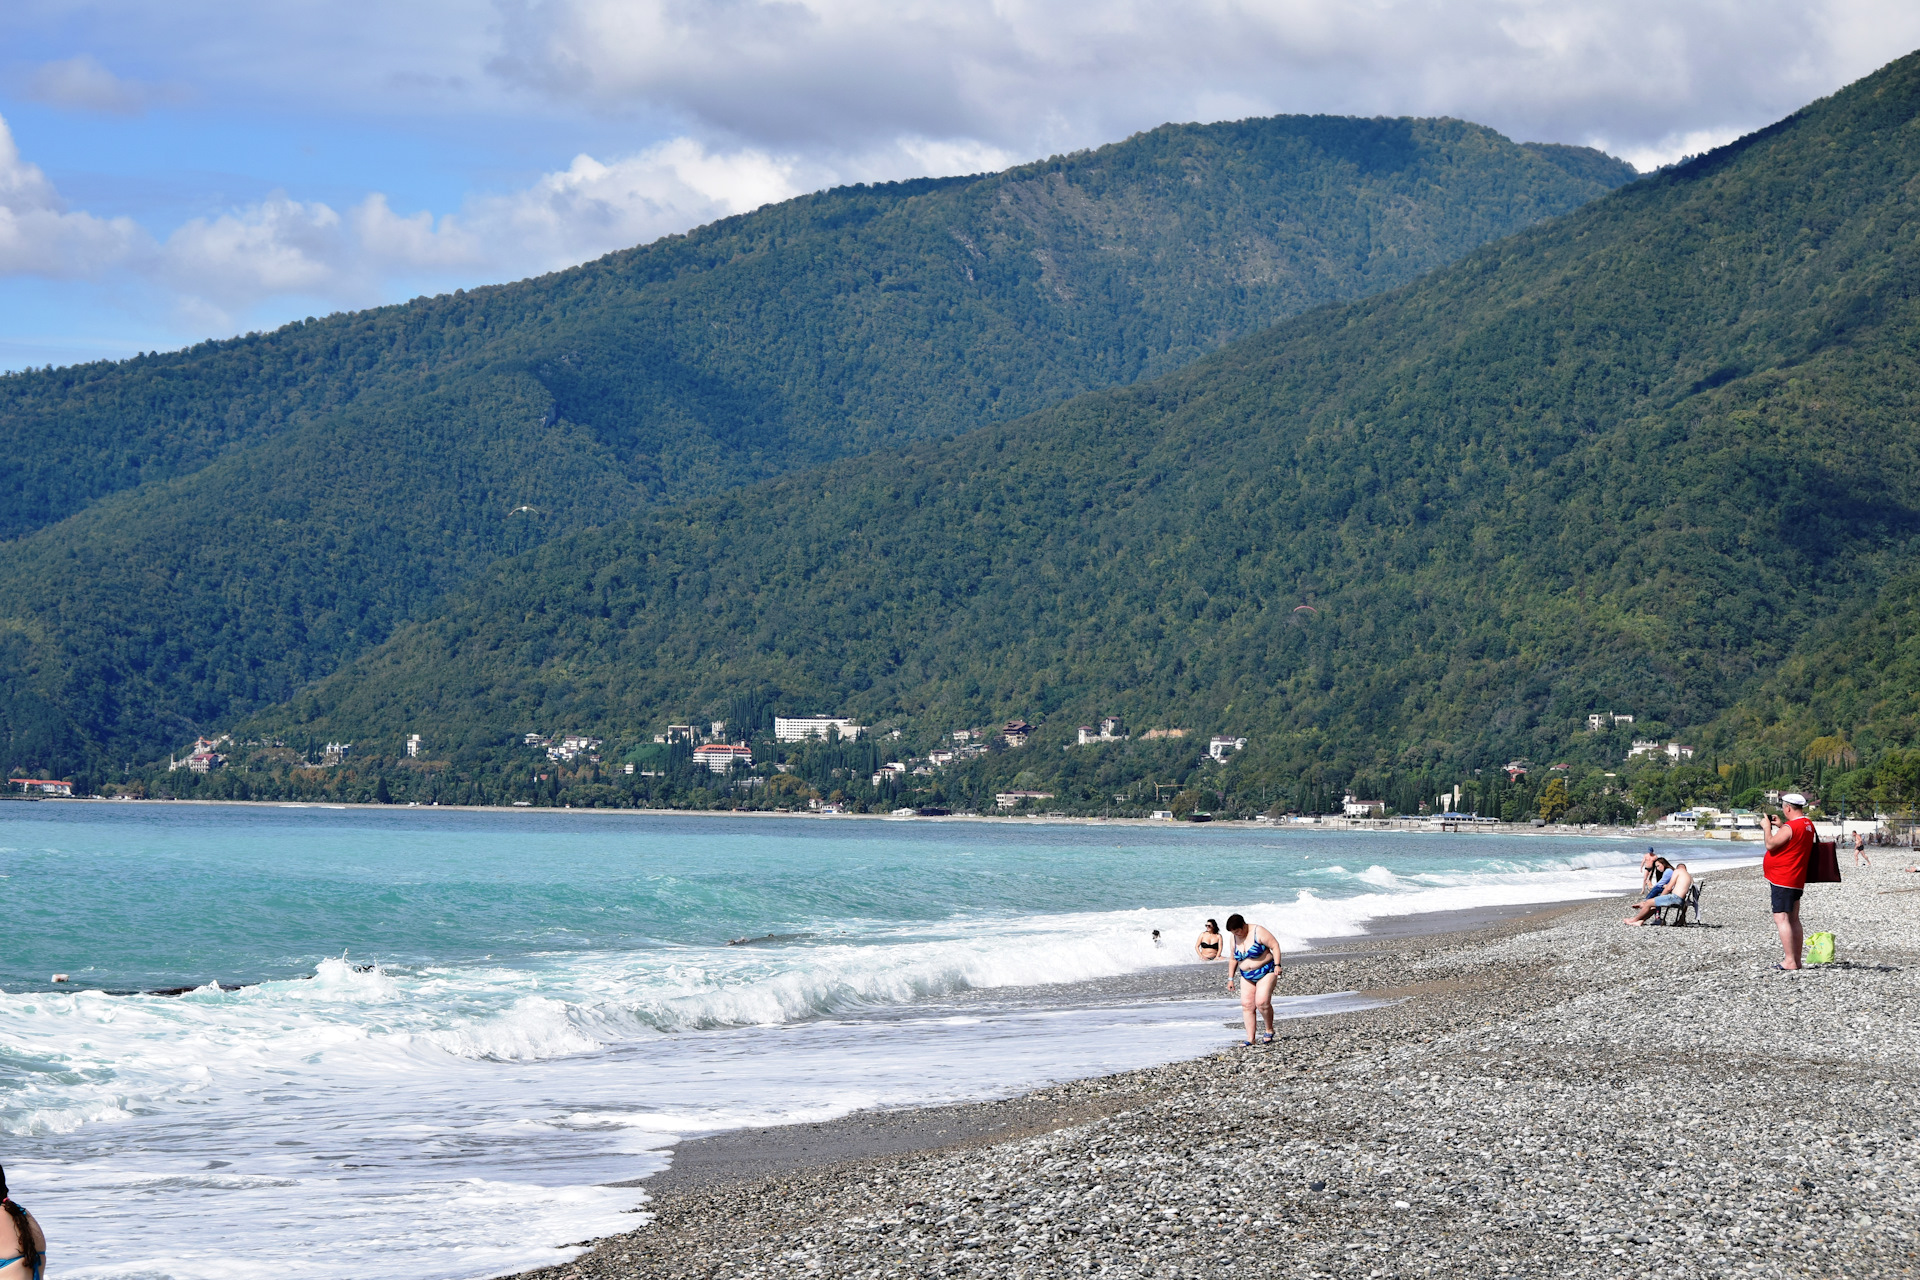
(1854, 676)
(830, 323)
(198, 533)
(1618, 462)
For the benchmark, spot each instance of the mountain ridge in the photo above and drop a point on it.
(375, 461)
(1619, 461)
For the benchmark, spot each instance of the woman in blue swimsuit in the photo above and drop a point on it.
(23, 1246)
(1256, 967)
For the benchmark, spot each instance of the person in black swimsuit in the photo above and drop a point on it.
(1209, 943)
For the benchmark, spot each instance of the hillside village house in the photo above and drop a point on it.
(1606, 720)
(1110, 730)
(202, 759)
(45, 786)
(1648, 747)
(1016, 732)
(720, 756)
(572, 747)
(1222, 747)
(800, 728)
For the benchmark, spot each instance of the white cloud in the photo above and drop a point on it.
(220, 266)
(1029, 76)
(1673, 147)
(944, 158)
(280, 245)
(39, 237)
(590, 207)
(758, 100)
(82, 84)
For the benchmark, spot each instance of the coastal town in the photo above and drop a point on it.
(835, 765)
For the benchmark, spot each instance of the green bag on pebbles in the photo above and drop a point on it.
(1820, 949)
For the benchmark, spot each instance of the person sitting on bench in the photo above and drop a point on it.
(1656, 878)
(1673, 893)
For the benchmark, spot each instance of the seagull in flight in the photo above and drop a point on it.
(523, 507)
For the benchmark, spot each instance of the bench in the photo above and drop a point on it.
(1677, 915)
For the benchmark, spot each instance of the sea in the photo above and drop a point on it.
(314, 1041)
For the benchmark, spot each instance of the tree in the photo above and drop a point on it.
(1554, 800)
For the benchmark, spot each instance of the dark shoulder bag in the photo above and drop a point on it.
(1823, 864)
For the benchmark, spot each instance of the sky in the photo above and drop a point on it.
(199, 168)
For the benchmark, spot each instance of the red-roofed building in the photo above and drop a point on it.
(45, 786)
(721, 756)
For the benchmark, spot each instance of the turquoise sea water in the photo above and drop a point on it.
(449, 1027)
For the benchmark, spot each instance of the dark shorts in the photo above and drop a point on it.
(1784, 899)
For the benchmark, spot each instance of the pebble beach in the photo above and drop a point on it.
(1556, 1094)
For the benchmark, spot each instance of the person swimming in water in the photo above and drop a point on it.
(1256, 967)
(1208, 945)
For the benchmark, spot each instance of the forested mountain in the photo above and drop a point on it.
(1630, 460)
(196, 534)
(1853, 678)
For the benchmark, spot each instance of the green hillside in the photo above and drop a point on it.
(197, 534)
(1625, 461)
(1854, 676)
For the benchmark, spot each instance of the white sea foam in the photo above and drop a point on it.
(454, 1120)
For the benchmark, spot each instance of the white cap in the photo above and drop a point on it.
(1795, 799)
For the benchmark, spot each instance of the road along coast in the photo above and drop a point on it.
(1554, 1093)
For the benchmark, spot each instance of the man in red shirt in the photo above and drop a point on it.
(1789, 845)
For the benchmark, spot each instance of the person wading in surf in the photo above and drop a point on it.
(1256, 967)
(23, 1246)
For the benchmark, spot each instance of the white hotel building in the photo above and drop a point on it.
(800, 728)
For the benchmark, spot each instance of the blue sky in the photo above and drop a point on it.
(170, 172)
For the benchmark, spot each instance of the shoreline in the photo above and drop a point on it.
(1491, 1115)
(1398, 826)
(721, 1159)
